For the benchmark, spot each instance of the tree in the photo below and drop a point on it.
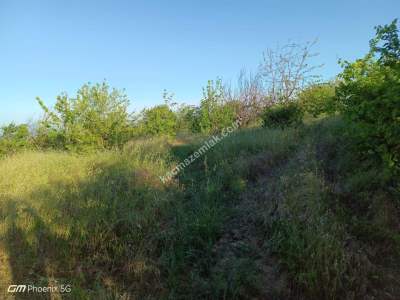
(186, 118)
(159, 120)
(283, 73)
(369, 97)
(250, 97)
(215, 112)
(287, 70)
(386, 44)
(14, 138)
(96, 118)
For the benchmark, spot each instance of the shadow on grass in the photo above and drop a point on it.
(121, 233)
(27, 262)
(100, 235)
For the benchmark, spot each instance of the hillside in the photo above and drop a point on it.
(264, 214)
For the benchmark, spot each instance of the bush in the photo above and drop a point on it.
(214, 113)
(369, 97)
(159, 120)
(96, 118)
(14, 138)
(318, 99)
(283, 115)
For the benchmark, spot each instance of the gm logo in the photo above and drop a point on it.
(13, 288)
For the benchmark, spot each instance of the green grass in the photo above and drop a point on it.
(332, 218)
(106, 224)
(84, 220)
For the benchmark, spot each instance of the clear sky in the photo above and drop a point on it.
(50, 46)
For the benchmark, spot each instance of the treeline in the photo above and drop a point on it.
(98, 116)
(280, 93)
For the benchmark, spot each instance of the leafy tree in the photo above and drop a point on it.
(14, 138)
(386, 44)
(214, 113)
(159, 120)
(96, 118)
(186, 116)
(369, 96)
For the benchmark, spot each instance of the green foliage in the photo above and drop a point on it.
(214, 113)
(14, 138)
(282, 115)
(159, 120)
(369, 97)
(96, 118)
(387, 43)
(318, 99)
(186, 116)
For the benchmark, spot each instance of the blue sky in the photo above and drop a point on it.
(47, 47)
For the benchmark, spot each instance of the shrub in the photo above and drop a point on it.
(159, 120)
(96, 118)
(14, 138)
(282, 115)
(369, 97)
(214, 113)
(186, 118)
(318, 99)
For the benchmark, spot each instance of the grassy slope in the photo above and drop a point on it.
(264, 214)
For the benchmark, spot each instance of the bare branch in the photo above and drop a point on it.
(286, 70)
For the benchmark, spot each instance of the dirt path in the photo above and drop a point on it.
(243, 247)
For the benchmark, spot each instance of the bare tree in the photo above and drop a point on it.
(286, 70)
(282, 73)
(250, 95)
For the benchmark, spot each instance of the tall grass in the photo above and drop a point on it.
(106, 224)
(212, 187)
(91, 221)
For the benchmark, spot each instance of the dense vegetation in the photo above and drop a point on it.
(305, 206)
(369, 94)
